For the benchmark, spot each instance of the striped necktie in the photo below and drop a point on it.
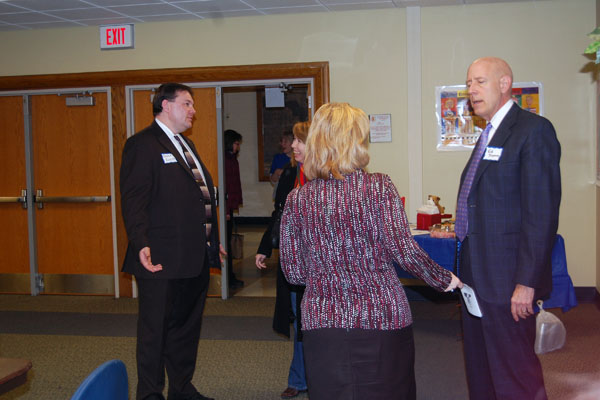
(201, 184)
(462, 220)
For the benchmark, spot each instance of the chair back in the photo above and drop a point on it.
(107, 382)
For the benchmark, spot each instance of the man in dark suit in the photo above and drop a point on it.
(506, 225)
(168, 204)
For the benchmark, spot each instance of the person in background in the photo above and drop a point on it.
(340, 234)
(233, 194)
(288, 297)
(281, 159)
(170, 214)
(506, 222)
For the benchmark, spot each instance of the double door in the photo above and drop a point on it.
(56, 210)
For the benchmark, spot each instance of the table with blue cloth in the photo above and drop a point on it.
(443, 252)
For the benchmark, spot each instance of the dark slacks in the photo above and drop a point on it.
(500, 360)
(168, 331)
(359, 364)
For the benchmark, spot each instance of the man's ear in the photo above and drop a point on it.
(505, 83)
(165, 104)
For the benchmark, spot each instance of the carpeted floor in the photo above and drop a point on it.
(240, 357)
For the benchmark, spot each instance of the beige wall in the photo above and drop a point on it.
(543, 41)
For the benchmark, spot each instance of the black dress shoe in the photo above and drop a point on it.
(195, 396)
(236, 283)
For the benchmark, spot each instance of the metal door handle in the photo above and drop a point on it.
(40, 199)
(21, 199)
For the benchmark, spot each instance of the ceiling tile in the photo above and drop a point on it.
(211, 6)
(169, 17)
(279, 3)
(85, 13)
(148, 9)
(110, 3)
(44, 5)
(27, 17)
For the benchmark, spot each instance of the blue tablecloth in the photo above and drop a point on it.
(443, 251)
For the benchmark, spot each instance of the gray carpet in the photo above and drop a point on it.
(240, 357)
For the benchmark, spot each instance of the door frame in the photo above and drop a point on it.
(117, 80)
(35, 279)
(219, 86)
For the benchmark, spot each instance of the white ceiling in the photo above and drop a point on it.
(40, 14)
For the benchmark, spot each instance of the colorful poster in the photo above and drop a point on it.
(459, 128)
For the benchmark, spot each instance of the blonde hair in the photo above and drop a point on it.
(337, 142)
(300, 131)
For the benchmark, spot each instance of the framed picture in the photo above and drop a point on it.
(274, 121)
(458, 128)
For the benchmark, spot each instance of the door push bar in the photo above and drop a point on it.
(40, 199)
(22, 199)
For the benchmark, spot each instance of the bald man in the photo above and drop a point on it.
(506, 225)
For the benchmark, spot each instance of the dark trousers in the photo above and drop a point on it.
(500, 360)
(360, 364)
(168, 332)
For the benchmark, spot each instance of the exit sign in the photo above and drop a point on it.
(116, 37)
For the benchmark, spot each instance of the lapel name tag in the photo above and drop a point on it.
(168, 158)
(492, 153)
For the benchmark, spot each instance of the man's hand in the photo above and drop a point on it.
(521, 303)
(146, 260)
(276, 175)
(260, 261)
(222, 253)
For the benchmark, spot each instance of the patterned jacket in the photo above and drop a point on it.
(340, 238)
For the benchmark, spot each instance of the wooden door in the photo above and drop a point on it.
(14, 262)
(71, 158)
(203, 133)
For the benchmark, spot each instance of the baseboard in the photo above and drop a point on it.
(587, 294)
(252, 220)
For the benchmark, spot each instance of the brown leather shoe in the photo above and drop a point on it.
(290, 393)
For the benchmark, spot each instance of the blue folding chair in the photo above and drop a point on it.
(107, 382)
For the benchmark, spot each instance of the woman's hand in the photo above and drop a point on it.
(260, 261)
(454, 283)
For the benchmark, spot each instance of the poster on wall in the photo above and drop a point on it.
(458, 128)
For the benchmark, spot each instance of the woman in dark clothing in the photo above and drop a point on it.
(288, 296)
(233, 194)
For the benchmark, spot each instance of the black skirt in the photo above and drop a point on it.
(360, 364)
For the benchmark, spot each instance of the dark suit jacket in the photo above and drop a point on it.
(163, 208)
(513, 209)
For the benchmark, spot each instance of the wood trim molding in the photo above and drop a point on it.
(117, 80)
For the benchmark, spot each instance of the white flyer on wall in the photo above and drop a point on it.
(381, 128)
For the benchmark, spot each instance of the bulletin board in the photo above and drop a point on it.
(458, 128)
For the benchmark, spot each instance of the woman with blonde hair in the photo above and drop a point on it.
(340, 234)
(287, 297)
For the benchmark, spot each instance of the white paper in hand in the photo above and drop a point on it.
(468, 295)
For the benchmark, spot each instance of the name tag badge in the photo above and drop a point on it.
(492, 153)
(168, 158)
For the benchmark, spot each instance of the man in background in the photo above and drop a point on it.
(169, 210)
(506, 223)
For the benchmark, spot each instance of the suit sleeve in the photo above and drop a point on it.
(136, 188)
(540, 201)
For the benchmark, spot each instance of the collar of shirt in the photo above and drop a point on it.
(498, 117)
(171, 137)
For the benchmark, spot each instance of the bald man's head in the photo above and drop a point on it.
(489, 83)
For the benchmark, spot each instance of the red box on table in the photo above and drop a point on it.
(424, 221)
